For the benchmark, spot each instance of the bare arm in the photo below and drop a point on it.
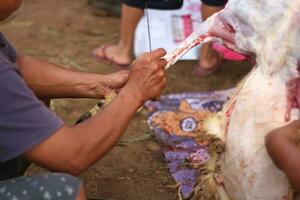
(74, 149)
(283, 147)
(48, 80)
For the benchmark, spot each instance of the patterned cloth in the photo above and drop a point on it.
(51, 186)
(181, 152)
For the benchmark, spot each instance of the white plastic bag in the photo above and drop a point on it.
(168, 28)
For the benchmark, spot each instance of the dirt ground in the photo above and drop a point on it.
(65, 32)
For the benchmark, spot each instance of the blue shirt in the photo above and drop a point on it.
(24, 120)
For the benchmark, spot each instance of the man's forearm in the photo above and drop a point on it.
(52, 81)
(112, 121)
(87, 142)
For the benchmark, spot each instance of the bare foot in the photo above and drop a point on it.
(117, 54)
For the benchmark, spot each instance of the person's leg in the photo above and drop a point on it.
(209, 59)
(209, 10)
(121, 53)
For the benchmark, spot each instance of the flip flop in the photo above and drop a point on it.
(105, 58)
(200, 71)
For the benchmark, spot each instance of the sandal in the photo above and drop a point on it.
(205, 72)
(105, 58)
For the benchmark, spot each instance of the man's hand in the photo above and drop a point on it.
(107, 83)
(147, 76)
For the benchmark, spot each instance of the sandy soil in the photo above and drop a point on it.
(65, 32)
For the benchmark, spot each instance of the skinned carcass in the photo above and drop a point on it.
(267, 30)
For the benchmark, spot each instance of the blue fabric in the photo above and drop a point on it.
(51, 186)
(24, 120)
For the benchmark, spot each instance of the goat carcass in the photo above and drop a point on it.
(269, 30)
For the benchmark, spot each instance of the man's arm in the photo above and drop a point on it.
(283, 147)
(74, 149)
(52, 81)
